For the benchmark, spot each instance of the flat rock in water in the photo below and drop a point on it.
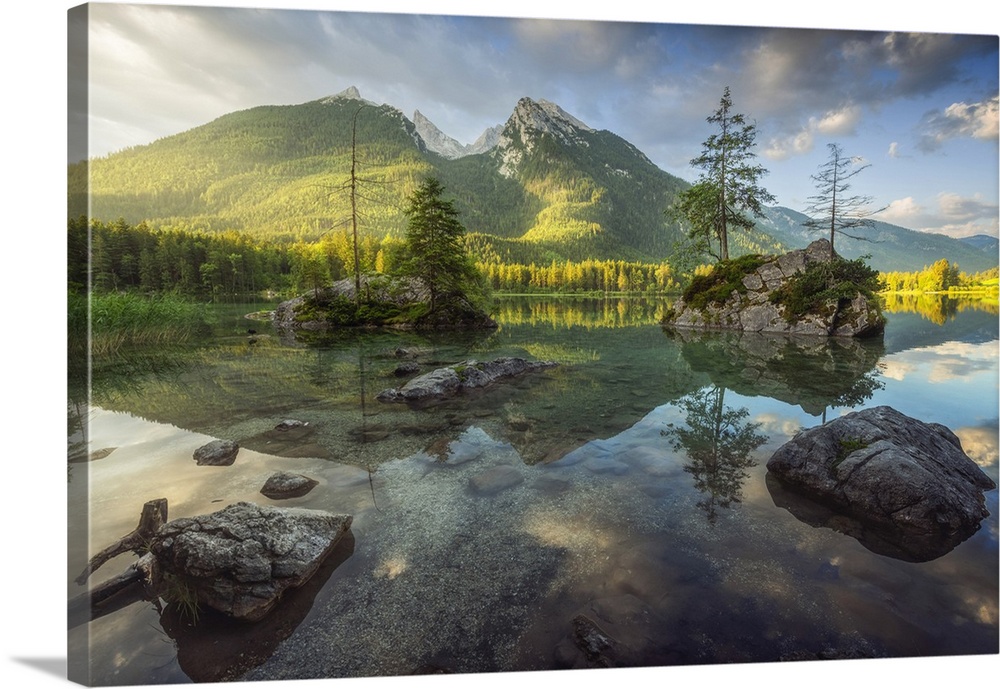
(283, 485)
(217, 453)
(451, 380)
(890, 470)
(240, 560)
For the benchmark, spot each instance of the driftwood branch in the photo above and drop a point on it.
(139, 582)
(154, 515)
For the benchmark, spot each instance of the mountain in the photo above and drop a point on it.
(442, 144)
(436, 140)
(982, 242)
(892, 248)
(543, 186)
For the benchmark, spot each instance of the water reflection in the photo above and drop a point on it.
(718, 441)
(608, 512)
(895, 543)
(572, 312)
(938, 308)
(813, 373)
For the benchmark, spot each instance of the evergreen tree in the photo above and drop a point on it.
(434, 242)
(831, 208)
(729, 186)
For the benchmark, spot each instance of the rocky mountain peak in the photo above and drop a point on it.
(487, 140)
(530, 120)
(436, 140)
(350, 93)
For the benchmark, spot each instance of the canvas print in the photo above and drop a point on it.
(407, 344)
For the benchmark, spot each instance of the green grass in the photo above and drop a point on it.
(726, 277)
(122, 319)
(823, 284)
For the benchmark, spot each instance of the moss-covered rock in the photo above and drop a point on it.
(809, 291)
(385, 302)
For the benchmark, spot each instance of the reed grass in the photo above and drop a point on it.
(122, 319)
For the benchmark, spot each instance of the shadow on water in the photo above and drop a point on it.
(894, 543)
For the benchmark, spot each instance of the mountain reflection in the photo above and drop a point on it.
(813, 373)
(718, 442)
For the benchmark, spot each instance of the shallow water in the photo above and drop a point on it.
(611, 497)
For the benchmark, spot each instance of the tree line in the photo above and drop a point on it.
(124, 257)
(941, 276)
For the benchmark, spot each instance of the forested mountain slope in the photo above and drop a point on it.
(550, 188)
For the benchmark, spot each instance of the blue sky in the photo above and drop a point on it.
(919, 106)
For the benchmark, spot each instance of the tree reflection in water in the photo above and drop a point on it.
(718, 442)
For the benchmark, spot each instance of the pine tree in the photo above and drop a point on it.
(729, 186)
(434, 242)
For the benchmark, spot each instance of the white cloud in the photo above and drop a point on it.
(902, 212)
(953, 215)
(896, 369)
(838, 122)
(966, 120)
(894, 150)
(782, 149)
(980, 444)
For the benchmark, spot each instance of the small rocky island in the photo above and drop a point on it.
(385, 301)
(810, 291)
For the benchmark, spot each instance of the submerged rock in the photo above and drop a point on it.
(241, 559)
(407, 368)
(617, 631)
(496, 479)
(451, 380)
(886, 469)
(217, 453)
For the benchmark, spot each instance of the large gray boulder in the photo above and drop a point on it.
(240, 559)
(889, 470)
(749, 307)
(469, 375)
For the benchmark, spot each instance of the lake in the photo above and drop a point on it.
(636, 495)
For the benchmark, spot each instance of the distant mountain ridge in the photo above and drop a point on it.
(891, 248)
(983, 242)
(543, 186)
(442, 144)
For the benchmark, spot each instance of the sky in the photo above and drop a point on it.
(33, 52)
(920, 108)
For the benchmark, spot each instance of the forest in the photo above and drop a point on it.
(231, 265)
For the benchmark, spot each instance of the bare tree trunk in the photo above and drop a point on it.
(154, 515)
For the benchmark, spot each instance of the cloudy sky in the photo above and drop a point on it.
(920, 108)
